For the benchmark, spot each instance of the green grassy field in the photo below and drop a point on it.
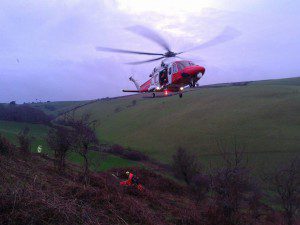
(102, 162)
(262, 116)
(11, 129)
(56, 108)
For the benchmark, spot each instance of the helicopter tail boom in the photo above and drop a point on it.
(130, 90)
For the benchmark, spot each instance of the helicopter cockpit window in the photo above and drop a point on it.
(182, 64)
(170, 70)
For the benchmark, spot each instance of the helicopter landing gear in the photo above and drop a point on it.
(153, 95)
(193, 83)
(180, 95)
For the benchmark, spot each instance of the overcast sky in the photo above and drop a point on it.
(47, 48)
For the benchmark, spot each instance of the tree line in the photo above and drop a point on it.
(23, 113)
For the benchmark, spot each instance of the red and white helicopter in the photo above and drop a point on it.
(172, 75)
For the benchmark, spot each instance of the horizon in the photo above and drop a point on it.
(125, 95)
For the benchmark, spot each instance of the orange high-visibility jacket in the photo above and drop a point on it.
(127, 182)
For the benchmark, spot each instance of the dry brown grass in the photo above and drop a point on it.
(32, 191)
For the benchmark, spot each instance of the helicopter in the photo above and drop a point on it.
(174, 73)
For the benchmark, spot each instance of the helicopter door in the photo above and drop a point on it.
(156, 79)
(163, 77)
(170, 75)
(172, 70)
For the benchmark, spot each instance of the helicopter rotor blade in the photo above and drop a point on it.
(105, 49)
(226, 35)
(145, 61)
(150, 34)
(191, 59)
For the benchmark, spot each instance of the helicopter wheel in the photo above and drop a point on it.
(180, 95)
(153, 95)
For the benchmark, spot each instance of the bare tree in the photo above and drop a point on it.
(84, 137)
(232, 153)
(234, 191)
(285, 183)
(185, 165)
(25, 141)
(60, 140)
(233, 187)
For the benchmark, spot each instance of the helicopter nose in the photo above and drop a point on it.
(193, 71)
(201, 70)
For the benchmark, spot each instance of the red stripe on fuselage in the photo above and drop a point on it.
(144, 87)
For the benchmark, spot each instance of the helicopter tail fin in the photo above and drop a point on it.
(135, 83)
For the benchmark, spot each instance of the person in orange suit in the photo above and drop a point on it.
(132, 181)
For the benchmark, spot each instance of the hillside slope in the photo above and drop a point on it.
(57, 108)
(263, 116)
(32, 192)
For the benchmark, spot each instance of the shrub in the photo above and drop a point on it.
(234, 190)
(24, 141)
(285, 183)
(127, 153)
(117, 149)
(6, 148)
(135, 155)
(185, 165)
(201, 184)
(59, 139)
(118, 109)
